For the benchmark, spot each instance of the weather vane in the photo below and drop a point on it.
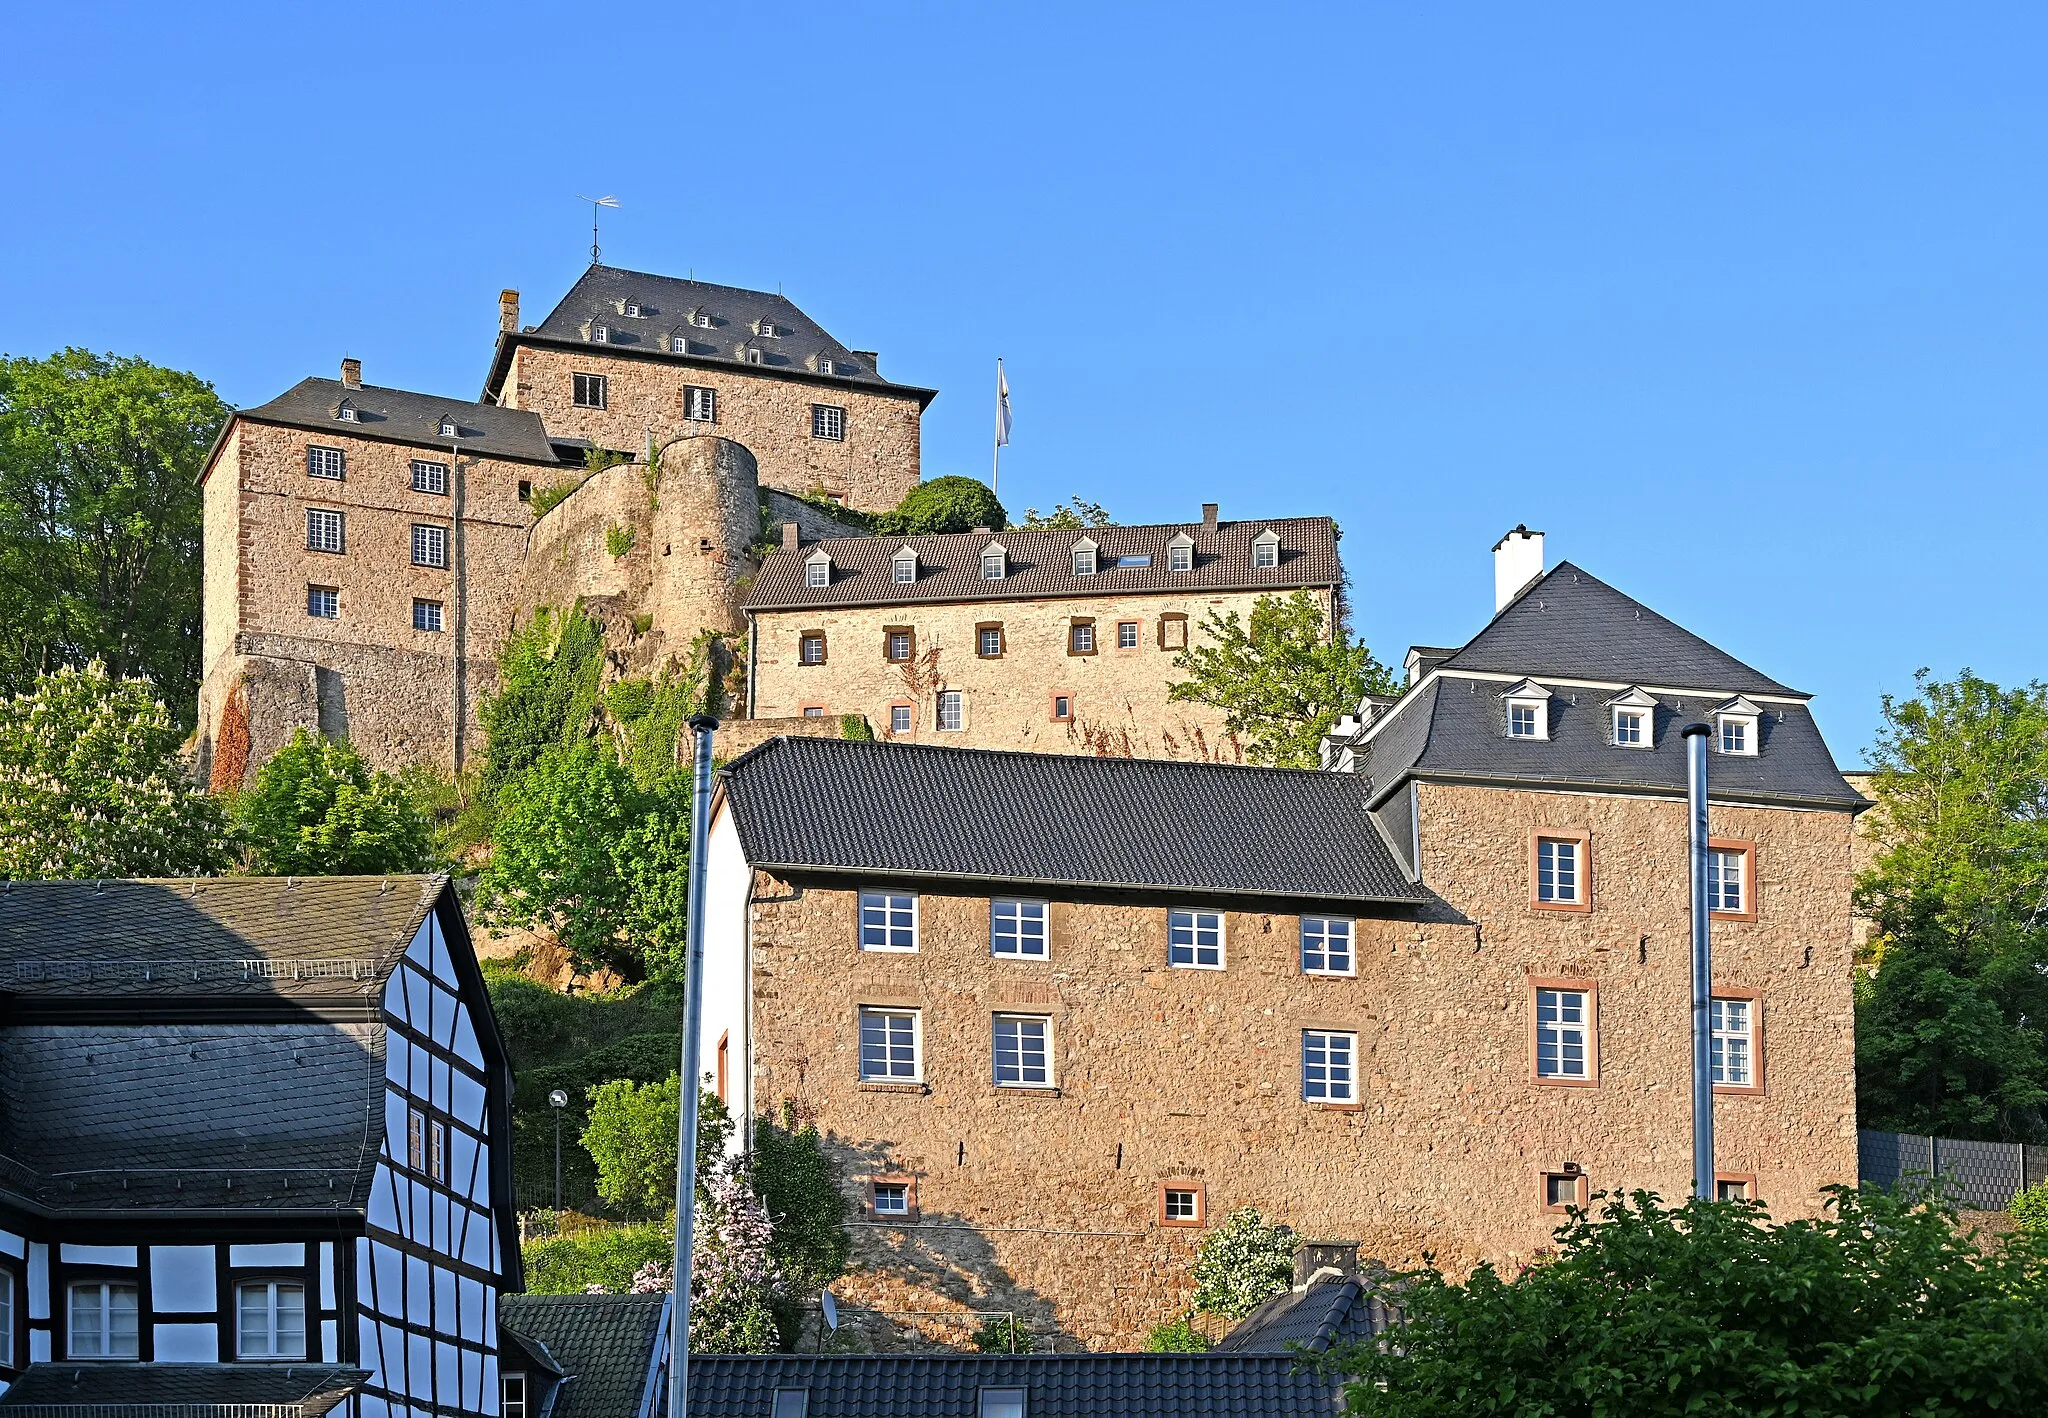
(595, 203)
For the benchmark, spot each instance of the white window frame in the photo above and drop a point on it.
(1130, 627)
(828, 421)
(416, 1140)
(346, 412)
(1558, 1034)
(805, 641)
(679, 344)
(889, 903)
(600, 334)
(1320, 1052)
(701, 319)
(1085, 561)
(1194, 947)
(909, 719)
(270, 1351)
(901, 1189)
(1717, 881)
(994, 566)
(700, 403)
(1024, 1025)
(1029, 922)
(333, 597)
(889, 1044)
(1631, 727)
(512, 1396)
(598, 384)
(430, 477)
(448, 429)
(903, 569)
(754, 356)
(103, 1335)
(7, 1294)
(958, 700)
(981, 635)
(1319, 930)
(1180, 556)
(1265, 552)
(1742, 725)
(817, 571)
(1538, 712)
(426, 609)
(430, 546)
(1558, 869)
(1079, 631)
(632, 310)
(319, 458)
(1193, 1214)
(320, 517)
(1726, 1038)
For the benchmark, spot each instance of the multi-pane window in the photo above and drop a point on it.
(1180, 557)
(430, 477)
(1326, 945)
(828, 421)
(437, 1150)
(416, 1139)
(701, 319)
(7, 1319)
(1195, 939)
(429, 545)
(1727, 880)
(952, 710)
(1734, 1042)
(600, 334)
(1522, 719)
(891, 1198)
(888, 920)
(810, 648)
(323, 602)
(899, 718)
(1081, 637)
(588, 391)
(324, 463)
(992, 566)
(1329, 1066)
(898, 645)
(904, 569)
(1084, 561)
(512, 1396)
(1127, 635)
(1017, 928)
(814, 711)
(1265, 554)
(1631, 728)
(700, 405)
(426, 615)
(325, 530)
(989, 641)
(1737, 734)
(270, 1320)
(1563, 1027)
(1181, 1204)
(818, 574)
(104, 1320)
(1560, 875)
(1022, 1051)
(888, 1046)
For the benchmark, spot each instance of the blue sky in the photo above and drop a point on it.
(1746, 311)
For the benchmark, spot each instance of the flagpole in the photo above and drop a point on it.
(995, 467)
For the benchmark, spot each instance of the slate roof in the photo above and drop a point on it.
(915, 811)
(1571, 624)
(606, 1344)
(666, 303)
(60, 1390)
(1041, 563)
(1058, 1385)
(402, 416)
(1313, 1320)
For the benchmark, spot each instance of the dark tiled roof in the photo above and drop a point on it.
(913, 811)
(1041, 563)
(210, 937)
(666, 304)
(200, 1390)
(1570, 624)
(605, 1343)
(1333, 1314)
(401, 416)
(1058, 1385)
(1458, 728)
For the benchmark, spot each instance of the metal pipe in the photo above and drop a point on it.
(693, 1046)
(1702, 965)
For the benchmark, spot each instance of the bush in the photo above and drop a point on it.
(609, 1256)
(546, 499)
(618, 540)
(1002, 1335)
(856, 726)
(1243, 1263)
(316, 809)
(1177, 1337)
(632, 1135)
(800, 1187)
(548, 673)
(953, 504)
(2030, 1210)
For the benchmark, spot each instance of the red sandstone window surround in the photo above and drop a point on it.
(1735, 1186)
(810, 648)
(988, 640)
(1736, 1020)
(814, 711)
(1062, 705)
(1182, 1202)
(1173, 631)
(1564, 1032)
(1731, 879)
(1560, 869)
(1566, 1189)
(892, 1197)
(899, 644)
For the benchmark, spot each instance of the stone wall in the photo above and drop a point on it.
(1046, 1202)
(870, 469)
(1117, 696)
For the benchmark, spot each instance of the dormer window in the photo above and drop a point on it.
(754, 356)
(1633, 722)
(1265, 550)
(346, 412)
(1735, 725)
(1084, 557)
(825, 366)
(818, 570)
(701, 319)
(766, 329)
(678, 344)
(1528, 711)
(1180, 553)
(903, 567)
(995, 563)
(631, 309)
(448, 429)
(600, 334)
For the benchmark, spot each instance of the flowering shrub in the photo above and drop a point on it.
(1243, 1263)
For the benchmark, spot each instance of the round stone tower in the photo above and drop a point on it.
(707, 512)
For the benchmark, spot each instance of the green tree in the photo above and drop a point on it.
(1882, 1308)
(1001, 1334)
(316, 809)
(91, 784)
(1243, 1263)
(799, 1185)
(632, 1136)
(1950, 1015)
(951, 504)
(1177, 1336)
(1076, 512)
(548, 673)
(1280, 679)
(100, 519)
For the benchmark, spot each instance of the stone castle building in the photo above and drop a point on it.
(1057, 1015)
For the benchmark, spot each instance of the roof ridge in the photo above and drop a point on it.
(1058, 531)
(874, 745)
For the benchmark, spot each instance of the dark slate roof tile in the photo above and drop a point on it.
(1313, 1320)
(605, 1343)
(911, 811)
(402, 416)
(69, 1389)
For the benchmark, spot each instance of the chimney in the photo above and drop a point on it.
(1517, 560)
(508, 312)
(983, 530)
(1208, 516)
(789, 538)
(1317, 1261)
(873, 359)
(351, 374)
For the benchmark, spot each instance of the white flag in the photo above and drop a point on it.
(1002, 407)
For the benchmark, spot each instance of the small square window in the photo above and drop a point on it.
(1180, 557)
(888, 1046)
(588, 391)
(1738, 735)
(325, 463)
(828, 421)
(1523, 719)
(323, 602)
(1023, 1051)
(899, 718)
(1329, 1066)
(700, 405)
(1194, 939)
(1062, 707)
(633, 309)
(325, 530)
(888, 920)
(891, 1198)
(426, 615)
(701, 319)
(992, 566)
(430, 477)
(898, 644)
(1564, 1190)
(1180, 1205)
(810, 648)
(818, 574)
(1016, 929)
(347, 413)
(1081, 638)
(448, 429)
(1631, 728)
(988, 641)
(904, 569)
(1127, 635)
(1326, 945)
(1564, 1034)
(952, 710)
(429, 545)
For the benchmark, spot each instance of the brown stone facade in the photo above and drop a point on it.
(870, 468)
(1114, 697)
(1049, 1201)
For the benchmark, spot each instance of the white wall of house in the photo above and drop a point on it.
(727, 971)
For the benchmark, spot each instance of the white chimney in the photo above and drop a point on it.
(1517, 560)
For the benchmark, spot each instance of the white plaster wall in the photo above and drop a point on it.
(727, 986)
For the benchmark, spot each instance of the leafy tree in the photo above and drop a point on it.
(1950, 1016)
(1281, 680)
(800, 1187)
(316, 809)
(91, 784)
(951, 504)
(1882, 1308)
(1243, 1263)
(100, 519)
(1177, 1336)
(1076, 512)
(1000, 1334)
(632, 1136)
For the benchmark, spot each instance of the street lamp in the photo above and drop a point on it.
(558, 1100)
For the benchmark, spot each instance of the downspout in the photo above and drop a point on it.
(456, 698)
(753, 649)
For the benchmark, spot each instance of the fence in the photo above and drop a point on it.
(1982, 1175)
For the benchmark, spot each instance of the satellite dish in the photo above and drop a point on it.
(831, 1311)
